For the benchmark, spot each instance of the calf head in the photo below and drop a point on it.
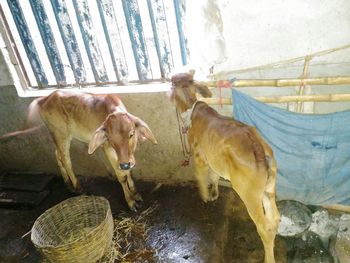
(184, 89)
(122, 131)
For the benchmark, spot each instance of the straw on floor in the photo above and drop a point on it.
(130, 239)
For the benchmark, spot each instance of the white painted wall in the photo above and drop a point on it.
(236, 34)
(239, 34)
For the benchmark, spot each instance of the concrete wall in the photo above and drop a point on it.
(232, 35)
(35, 152)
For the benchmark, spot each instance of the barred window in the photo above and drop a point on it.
(92, 43)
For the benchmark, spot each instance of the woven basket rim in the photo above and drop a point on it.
(108, 213)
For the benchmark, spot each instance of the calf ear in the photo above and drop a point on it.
(97, 139)
(143, 130)
(203, 90)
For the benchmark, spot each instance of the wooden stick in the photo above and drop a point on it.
(216, 101)
(282, 99)
(300, 104)
(343, 208)
(337, 207)
(240, 83)
(26, 234)
(304, 98)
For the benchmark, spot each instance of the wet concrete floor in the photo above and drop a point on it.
(182, 229)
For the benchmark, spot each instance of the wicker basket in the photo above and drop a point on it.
(77, 230)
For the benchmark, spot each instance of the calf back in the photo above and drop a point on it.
(78, 114)
(225, 140)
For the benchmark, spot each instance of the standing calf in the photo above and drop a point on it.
(97, 120)
(224, 147)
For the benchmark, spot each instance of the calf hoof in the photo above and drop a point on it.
(70, 186)
(73, 189)
(213, 196)
(137, 197)
(205, 196)
(210, 198)
(134, 205)
(213, 193)
(205, 200)
(78, 190)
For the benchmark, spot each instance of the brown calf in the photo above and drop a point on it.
(97, 120)
(232, 150)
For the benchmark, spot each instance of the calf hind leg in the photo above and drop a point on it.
(64, 162)
(266, 227)
(64, 173)
(272, 216)
(260, 204)
(269, 200)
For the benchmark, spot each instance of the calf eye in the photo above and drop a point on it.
(131, 134)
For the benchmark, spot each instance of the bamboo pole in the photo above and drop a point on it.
(241, 83)
(216, 101)
(300, 105)
(279, 63)
(305, 98)
(337, 207)
(342, 208)
(283, 99)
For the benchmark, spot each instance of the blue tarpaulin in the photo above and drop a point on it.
(312, 150)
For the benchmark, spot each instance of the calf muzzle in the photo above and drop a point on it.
(125, 166)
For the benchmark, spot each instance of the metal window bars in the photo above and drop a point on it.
(65, 43)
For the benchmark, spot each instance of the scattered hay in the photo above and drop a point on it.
(129, 239)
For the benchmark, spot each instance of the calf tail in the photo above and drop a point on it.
(271, 174)
(33, 116)
(258, 148)
(269, 196)
(33, 122)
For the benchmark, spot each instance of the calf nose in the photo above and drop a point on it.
(124, 166)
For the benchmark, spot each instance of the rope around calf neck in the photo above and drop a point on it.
(186, 148)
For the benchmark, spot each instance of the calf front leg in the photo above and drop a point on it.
(213, 185)
(124, 178)
(132, 187)
(202, 175)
